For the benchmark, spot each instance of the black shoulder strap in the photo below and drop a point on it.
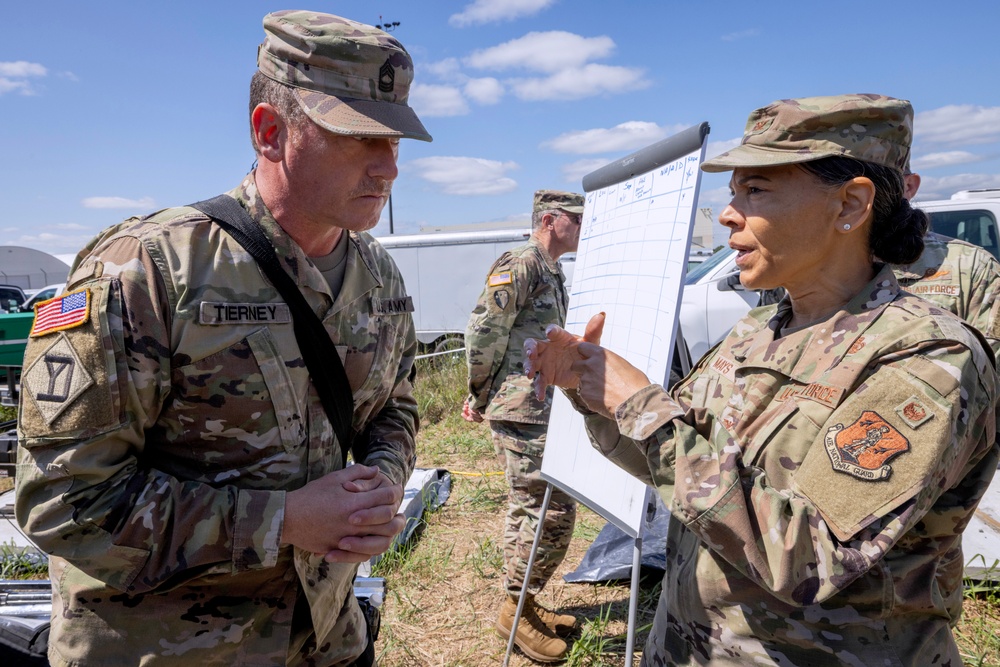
(318, 351)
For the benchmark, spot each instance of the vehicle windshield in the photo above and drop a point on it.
(708, 265)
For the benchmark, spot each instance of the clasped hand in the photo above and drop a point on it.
(602, 378)
(348, 515)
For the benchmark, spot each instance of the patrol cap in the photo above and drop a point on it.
(870, 128)
(546, 200)
(349, 78)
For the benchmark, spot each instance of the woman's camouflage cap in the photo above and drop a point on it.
(350, 78)
(870, 128)
(546, 200)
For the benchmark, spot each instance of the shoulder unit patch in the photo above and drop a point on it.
(864, 448)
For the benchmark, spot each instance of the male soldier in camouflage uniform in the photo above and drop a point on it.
(818, 477)
(175, 458)
(959, 276)
(525, 293)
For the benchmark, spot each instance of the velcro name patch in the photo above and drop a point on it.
(945, 290)
(216, 313)
(393, 305)
(496, 279)
(725, 367)
(61, 313)
(817, 391)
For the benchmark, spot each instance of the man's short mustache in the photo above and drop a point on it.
(373, 188)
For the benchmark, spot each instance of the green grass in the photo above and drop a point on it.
(19, 563)
(441, 385)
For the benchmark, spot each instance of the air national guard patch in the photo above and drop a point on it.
(864, 448)
(63, 312)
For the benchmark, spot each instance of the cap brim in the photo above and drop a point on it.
(748, 155)
(571, 209)
(361, 118)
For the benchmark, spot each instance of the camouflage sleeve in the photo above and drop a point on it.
(86, 490)
(807, 543)
(391, 435)
(508, 286)
(984, 299)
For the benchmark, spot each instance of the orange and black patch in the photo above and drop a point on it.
(864, 448)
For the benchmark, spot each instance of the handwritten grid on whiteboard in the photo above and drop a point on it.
(631, 263)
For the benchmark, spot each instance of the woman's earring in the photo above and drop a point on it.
(846, 226)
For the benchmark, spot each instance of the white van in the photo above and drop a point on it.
(444, 274)
(714, 300)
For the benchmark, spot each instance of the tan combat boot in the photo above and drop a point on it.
(561, 625)
(533, 637)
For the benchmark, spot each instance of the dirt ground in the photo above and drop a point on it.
(442, 604)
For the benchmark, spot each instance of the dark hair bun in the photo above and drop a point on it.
(901, 237)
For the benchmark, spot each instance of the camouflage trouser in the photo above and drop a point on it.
(523, 445)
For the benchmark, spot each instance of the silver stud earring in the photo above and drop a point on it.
(846, 227)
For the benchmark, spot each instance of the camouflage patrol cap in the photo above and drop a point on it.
(546, 200)
(349, 78)
(870, 128)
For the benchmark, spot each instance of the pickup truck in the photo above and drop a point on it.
(714, 300)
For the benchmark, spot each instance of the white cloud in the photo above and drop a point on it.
(433, 100)
(62, 246)
(21, 69)
(484, 91)
(958, 124)
(486, 11)
(118, 202)
(579, 82)
(945, 186)
(716, 148)
(627, 136)
(15, 76)
(465, 175)
(575, 171)
(443, 68)
(743, 34)
(543, 52)
(945, 159)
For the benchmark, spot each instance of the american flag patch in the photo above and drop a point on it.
(63, 312)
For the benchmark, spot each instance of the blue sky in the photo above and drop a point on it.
(114, 108)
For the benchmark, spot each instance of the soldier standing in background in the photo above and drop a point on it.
(961, 277)
(175, 458)
(525, 292)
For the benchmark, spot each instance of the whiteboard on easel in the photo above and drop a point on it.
(631, 263)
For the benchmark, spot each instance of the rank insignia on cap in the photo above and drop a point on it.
(501, 298)
(500, 279)
(864, 448)
(386, 77)
(63, 312)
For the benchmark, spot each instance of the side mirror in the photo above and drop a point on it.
(731, 283)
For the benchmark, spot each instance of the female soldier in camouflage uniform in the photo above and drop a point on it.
(821, 463)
